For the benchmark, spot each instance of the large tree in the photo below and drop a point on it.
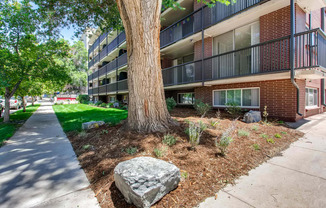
(147, 110)
(26, 51)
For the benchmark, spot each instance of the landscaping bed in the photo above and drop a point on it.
(17, 119)
(204, 170)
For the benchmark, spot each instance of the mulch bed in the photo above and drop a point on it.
(204, 171)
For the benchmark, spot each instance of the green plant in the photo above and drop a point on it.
(226, 138)
(265, 114)
(82, 134)
(264, 136)
(130, 150)
(281, 122)
(255, 128)
(194, 132)
(124, 107)
(87, 146)
(184, 174)
(256, 146)
(170, 104)
(160, 152)
(55, 103)
(233, 109)
(283, 132)
(83, 99)
(277, 135)
(103, 105)
(243, 133)
(201, 108)
(98, 103)
(109, 105)
(104, 131)
(270, 140)
(213, 123)
(169, 140)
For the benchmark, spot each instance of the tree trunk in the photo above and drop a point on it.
(32, 100)
(6, 117)
(147, 110)
(24, 106)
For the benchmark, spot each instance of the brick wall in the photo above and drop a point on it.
(278, 95)
(208, 48)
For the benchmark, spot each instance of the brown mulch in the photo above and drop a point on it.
(204, 170)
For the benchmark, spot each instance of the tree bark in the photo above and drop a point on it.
(6, 114)
(32, 100)
(147, 111)
(24, 106)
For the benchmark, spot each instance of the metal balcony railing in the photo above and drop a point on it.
(270, 56)
(109, 88)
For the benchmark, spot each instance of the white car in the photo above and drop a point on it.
(1, 107)
(16, 102)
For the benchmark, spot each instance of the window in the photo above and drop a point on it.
(186, 98)
(242, 97)
(112, 99)
(311, 97)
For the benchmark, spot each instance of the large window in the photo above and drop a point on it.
(186, 98)
(242, 97)
(311, 97)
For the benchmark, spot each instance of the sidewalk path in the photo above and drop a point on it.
(295, 179)
(38, 167)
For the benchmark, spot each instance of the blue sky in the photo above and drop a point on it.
(68, 34)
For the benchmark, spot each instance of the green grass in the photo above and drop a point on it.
(72, 116)
(7, 130)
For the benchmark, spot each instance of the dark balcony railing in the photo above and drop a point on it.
(203, 18)
(123, 85)
(108, 88)
(270, 56)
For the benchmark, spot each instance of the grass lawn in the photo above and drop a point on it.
(72, 116)
(8, 129)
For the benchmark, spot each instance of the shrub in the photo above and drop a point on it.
(170, 103)
(160, 152)
(125, 107)
(243, 133)
(256, 146)
(130, 150)
(277, 136)
(184, 174)
(202, 108)
(233, 109)
(87, 146)
(213, 123)
(84, 99)
(104, 131)
(226, 138)
(109, 105)
(169, 140)
(283, 132)
(98, 103)
(194, 132)
(55, 103)
(103, 105)
(270, 140)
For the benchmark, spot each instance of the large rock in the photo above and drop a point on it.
(252, 117)
(145, 180)
(92, 124)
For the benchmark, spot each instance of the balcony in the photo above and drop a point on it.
(114, 64)
(268, 57)
(120, 86)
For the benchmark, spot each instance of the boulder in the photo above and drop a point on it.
(252, 117)
(145, 180)
(92, 124)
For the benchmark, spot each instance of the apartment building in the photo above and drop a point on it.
(254, 53)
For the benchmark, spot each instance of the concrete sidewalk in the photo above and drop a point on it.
(295, 179)
(38, 167)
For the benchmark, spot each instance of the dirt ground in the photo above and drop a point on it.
(203, 170)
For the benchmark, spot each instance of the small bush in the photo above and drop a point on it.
(87, 146)
(213, 123)
(270, 140)
(55, 103)
(184, 174)
(202, 108)
(281, 122)
(255, 128)
(169, 140)
(125, 107)
(283, 132)
(84, 99)
(98, 103)
(103, 105)
(170, 104)
(160, 152)
(226, 138)
(256, 146)
(243, 133)
(277, 136)
(194, 132)
(233, 109)
(104, 131)
(130, 150)
(265, 136)
(109, 105)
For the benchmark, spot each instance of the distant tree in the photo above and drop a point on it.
(27, 51)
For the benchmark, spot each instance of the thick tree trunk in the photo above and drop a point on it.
(24, 105)
(147, 110)
(6, 117)
(32, 100)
